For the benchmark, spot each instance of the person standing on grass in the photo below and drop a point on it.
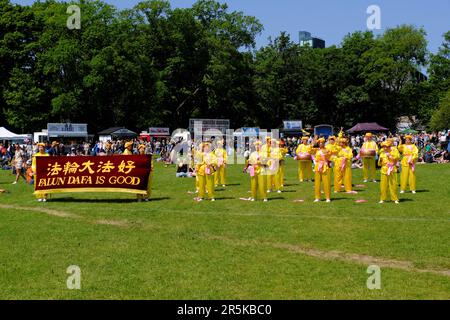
(41, 197)
(221, 154)
(388, 163)
(410, 155)
(368, 152)
(343, 167)
(205, 167)
(256, 168)
(18, 162)
(322, 171)
(303, 156)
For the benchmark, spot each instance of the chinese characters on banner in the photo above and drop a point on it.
(128, 174)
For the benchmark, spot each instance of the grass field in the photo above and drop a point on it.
(175, 248)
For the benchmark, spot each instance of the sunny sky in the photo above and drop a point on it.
(331, 20)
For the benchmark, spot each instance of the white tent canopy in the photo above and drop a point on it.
(5, 134)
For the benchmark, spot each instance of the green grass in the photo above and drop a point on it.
(174, 248)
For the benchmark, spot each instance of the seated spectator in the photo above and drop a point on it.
(29, 173)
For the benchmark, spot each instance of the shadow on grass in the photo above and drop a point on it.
(73, 200)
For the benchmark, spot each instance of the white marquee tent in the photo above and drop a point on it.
(5, 134)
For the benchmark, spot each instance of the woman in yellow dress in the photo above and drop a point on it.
(368, 152)
(256, 167)
(343, 167)
(222, 157)
(322, 171)
(388, 162)
(205, 168)
(303, 156)
(40, 196)
(410, 155)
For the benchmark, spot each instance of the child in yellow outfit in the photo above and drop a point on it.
(343, 167)
(221, 154)
(322, 171)
(369, 168)
(40, 196)
(205, 168)
(388, 162)
(303, 155)
(256, 167)
(410, 154)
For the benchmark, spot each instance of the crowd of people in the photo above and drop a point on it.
(317, 158)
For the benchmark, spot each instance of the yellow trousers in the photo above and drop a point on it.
(206, 182)
(258, 184)
(219, 176)
(324, 178)
(273, 181)
(40, 195)
(304, 170)
(343, 177)
(369, 168)
(408, 176)
(389, 184)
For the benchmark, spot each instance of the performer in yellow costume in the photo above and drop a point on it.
(343, 167)
(128, 149)
(333, 147)
(282, 156)
(368, 152)
(222, 157)
(205, 168)
(271, 154)
(256, 167)
(303, 156)
(146, 198)
(41, 197)
(322, 171)
(388, 162)
(410, 154)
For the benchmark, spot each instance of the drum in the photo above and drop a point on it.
(368, 153)
(304, 156)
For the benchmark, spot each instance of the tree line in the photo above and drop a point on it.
(153, 65)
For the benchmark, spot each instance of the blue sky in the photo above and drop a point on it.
(331, 20)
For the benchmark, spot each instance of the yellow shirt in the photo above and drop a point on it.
(389, 165)
(321, 159)
(334, 150)
(127, 152)
(410, 153)
(257, 160)
(206, 162)
(345, 154)
(221, 155)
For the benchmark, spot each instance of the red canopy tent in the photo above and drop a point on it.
(367, 127)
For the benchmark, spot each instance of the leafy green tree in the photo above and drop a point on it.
(441, 118)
